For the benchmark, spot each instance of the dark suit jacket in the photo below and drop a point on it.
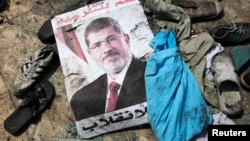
(91, 99)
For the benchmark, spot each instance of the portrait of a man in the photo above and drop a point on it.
(123, 83)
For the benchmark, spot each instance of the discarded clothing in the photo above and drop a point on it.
(176, 108)
(219, 119)
(193, 50)
(194, 53)
(209, 58)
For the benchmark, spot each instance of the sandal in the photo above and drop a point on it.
(228, 87)
(32, 69)
(245, 79)
(35, 102)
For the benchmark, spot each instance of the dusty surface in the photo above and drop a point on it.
(18, 41)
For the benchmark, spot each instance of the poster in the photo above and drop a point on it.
(103, 48)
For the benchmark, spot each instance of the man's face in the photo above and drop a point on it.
(109, 49)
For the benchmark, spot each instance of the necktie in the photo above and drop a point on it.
(113, 87)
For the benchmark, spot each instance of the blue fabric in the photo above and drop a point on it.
(176, 108)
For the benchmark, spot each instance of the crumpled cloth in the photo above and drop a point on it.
(193, 50)
(219, 119)
(176, 108)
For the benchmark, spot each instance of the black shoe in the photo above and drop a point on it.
(46, 34)
(200, 10)
(37, 100)
(232, 33)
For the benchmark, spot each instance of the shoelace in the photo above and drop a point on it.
(27, 69)
(240, 29)
(30, 69)
(35, 101)
(234, 29)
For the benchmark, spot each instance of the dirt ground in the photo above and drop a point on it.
(18, 40)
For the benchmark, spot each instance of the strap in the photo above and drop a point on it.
(35, 100)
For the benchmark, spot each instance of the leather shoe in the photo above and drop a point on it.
(231, 33)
